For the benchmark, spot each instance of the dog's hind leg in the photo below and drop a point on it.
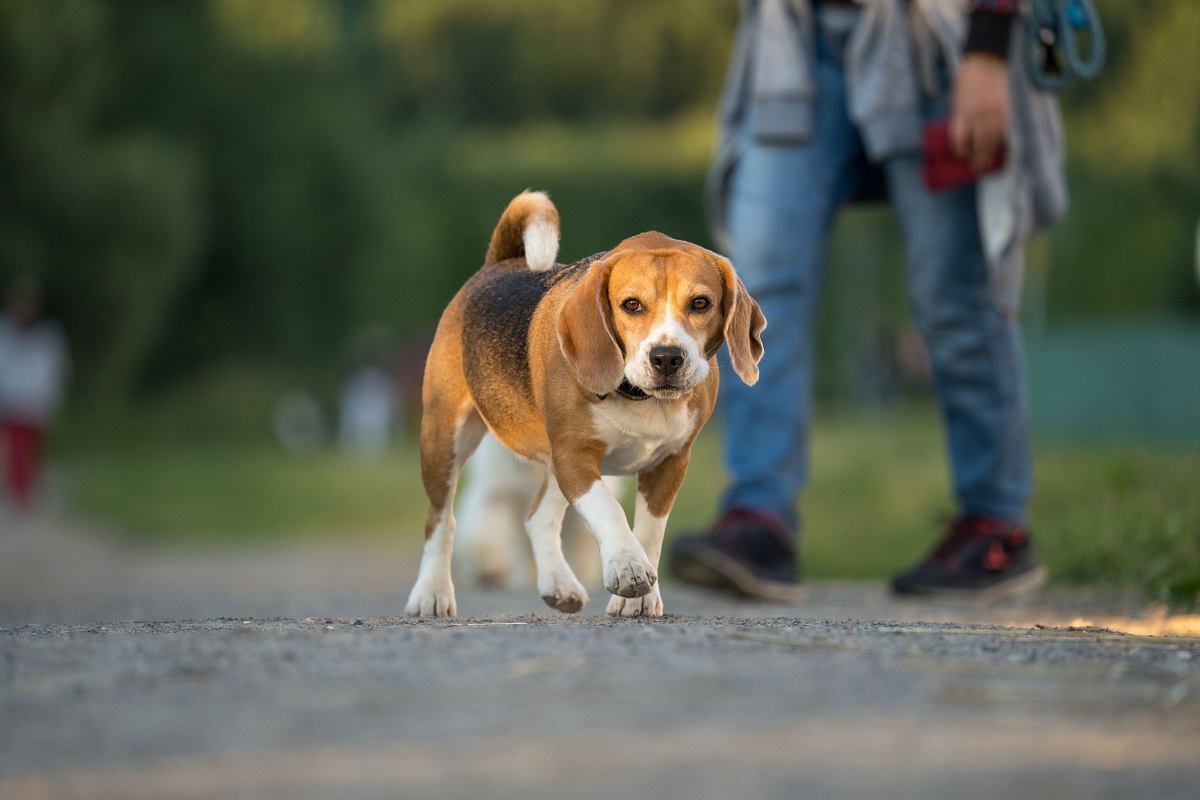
(448, 438)
(497, 490)
(557, 583)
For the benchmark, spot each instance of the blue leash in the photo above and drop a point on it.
(1057, 27)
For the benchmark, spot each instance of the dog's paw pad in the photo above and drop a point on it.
(570, 604)
(629, 575)
(431, 602)
(648, 605)
(564, 594)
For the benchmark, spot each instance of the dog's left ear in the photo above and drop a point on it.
(586, 335)
(744, 323)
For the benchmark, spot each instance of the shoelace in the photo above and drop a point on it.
(741, 518)
(967, 529)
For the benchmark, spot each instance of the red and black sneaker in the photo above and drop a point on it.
(983, 557)
(749, 552)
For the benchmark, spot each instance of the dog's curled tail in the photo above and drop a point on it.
(529, 228)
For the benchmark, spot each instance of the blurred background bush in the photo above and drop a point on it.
(224, 198)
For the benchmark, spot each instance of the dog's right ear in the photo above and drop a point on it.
(585, 332)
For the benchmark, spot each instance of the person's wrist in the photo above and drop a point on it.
(985, 60)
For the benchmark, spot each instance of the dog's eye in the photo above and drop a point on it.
(632, 305)
(701, 303)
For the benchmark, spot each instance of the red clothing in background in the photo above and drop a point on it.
(22, 448)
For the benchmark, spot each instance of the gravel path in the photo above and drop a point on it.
(126, 674)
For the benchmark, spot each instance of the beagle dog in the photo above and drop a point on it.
(602, 367)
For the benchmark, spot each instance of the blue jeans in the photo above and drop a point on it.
(784, 200)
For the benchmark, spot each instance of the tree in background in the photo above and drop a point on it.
(1134, 146)
(200, 182)
(108, 220)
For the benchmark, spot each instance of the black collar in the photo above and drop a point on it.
(628, 391)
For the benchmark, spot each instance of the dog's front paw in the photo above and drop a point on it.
(629, 573)
(431, 600)
(563, 592)
(648, 605)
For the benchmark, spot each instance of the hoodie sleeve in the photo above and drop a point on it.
(990, 27)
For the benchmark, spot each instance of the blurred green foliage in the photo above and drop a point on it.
(1133, 136)
(110, 219)
(205, 181)
(482, 61)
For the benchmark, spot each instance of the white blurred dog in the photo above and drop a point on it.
(491, 547)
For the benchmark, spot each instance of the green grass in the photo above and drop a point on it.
(1110, 514)
(1120, 515)
(230, 494)
(877, 489)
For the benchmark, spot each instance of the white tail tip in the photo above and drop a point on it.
(541, 245)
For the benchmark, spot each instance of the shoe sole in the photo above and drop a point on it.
(1021, 584)
(712, 569)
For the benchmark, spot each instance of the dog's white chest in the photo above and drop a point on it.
(640, 435)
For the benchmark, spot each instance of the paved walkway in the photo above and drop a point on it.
(288, 674)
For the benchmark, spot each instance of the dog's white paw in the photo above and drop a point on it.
(563, 592)
(431, 600)
(629, 573)
(648, 605)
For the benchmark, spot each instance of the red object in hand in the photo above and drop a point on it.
(944, 170)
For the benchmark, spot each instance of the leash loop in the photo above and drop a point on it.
(1056, 29)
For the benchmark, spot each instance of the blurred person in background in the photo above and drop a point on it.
(833, 101)
(33, 378)
(366, 410)
(369, 398)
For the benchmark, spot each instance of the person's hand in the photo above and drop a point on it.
(979, 108)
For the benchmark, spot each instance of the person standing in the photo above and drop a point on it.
(832, 101)
(33, 376)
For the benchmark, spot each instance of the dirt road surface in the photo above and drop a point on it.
(293, 674)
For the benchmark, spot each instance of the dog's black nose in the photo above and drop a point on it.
(666, 360)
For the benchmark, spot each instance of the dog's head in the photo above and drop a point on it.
(653, 311)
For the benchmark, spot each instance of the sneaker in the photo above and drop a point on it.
(982, 557)
(749, 552)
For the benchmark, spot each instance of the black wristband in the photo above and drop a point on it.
(989, 32)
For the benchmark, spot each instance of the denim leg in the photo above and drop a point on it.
(975, 353)
(784, 199)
